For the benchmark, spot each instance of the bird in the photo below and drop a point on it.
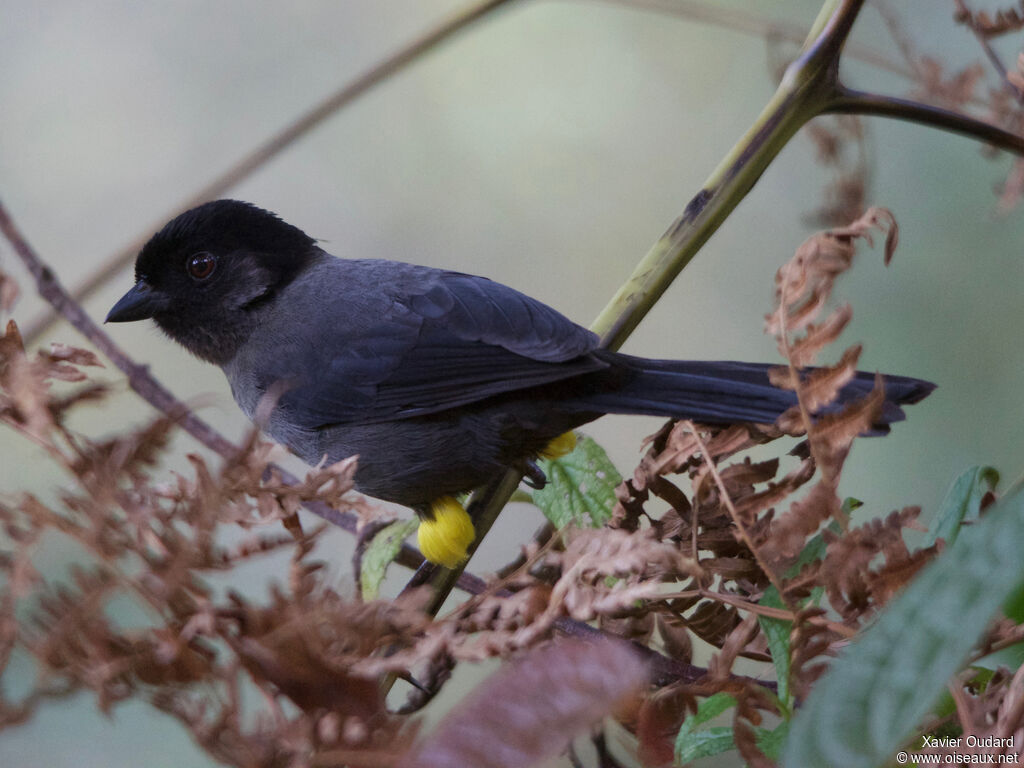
(436, 380)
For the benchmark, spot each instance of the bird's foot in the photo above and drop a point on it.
(533, 475)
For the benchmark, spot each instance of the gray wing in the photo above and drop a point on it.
(421, 341)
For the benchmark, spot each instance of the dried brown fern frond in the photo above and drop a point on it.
(840, 144)
(870, 563)
(803, 288)
(964, 89)
(701, 523)
(604, 574)
(746, 522)
(318, 658)
(952, 91)
(26, 403)
(988, 719)
(991, 24)
(9, 292)
(153, 545)
(606, 571)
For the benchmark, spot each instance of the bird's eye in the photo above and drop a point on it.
(200, 265)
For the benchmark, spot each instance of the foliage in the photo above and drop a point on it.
(383, 548)
(740, 560)
(701, 544)
(872, 698)
(580, 487)
(317, 656)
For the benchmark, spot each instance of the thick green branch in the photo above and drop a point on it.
(805, 91)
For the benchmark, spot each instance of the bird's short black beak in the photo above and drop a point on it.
(141, 302)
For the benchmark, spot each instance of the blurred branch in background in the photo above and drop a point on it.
(984, 30)
(759, 25)
(702, 12)
(273, 146)
(1005, 104)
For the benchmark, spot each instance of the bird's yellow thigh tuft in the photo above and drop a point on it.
(562, 445)
(445, 537)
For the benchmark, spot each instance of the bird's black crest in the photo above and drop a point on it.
(225, 227)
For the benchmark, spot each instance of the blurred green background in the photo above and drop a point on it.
(546, 147)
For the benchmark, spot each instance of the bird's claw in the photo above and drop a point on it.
(534, 476)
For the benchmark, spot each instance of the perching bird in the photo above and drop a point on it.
(437, 380)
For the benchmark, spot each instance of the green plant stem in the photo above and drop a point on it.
(485, 505)
(810, 87)
(805, 91)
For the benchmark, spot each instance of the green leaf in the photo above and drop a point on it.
(1013, 607)
(944, 706)
(380, 552)
(710, 741)
(580, 488)
(521, 496)
(962, 503)
(777, 631)
(771, 742)
(711, 708)
(693, 742)
(877, 692)
(850, 504)
(1010, 657)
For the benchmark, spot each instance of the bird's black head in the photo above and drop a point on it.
(204, 277)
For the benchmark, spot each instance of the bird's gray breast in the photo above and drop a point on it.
(257, 386)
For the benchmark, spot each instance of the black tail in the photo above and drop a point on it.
(727, 392)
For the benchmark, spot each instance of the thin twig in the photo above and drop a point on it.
(967, 16)
(758, 25)
(664, 669)
(847, 100)
(139, 378)
(1016, 636)
(737, 521)
(272, 147)
(896, 32)
(760, 610)
(1009, 720)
